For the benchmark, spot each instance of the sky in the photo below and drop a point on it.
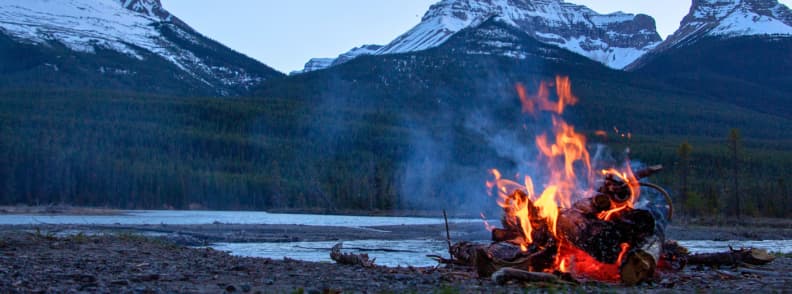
(284, 34)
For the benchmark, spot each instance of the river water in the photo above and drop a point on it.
(398, 253)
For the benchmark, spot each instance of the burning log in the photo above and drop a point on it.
(350, 258)
(602, 239)
(502, 235)
(734, 257)
(594, 205)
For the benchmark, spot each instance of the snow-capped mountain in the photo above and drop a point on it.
(712, 20)
(138, 29)
(732, 18)
(615, 39)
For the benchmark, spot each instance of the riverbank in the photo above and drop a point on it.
(37, 262)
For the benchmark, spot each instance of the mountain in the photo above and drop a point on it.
(735, 51)
(615, 39)
(135, 45)
(729, 19)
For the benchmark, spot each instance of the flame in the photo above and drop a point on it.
(541, 101)
(628, 178)
(567, 174)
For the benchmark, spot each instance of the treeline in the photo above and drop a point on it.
(135, 151)
(707, 178)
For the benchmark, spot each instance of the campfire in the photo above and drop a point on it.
(583, 220)
(578, 220)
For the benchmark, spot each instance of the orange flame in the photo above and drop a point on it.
(567, 165)
(541, 101)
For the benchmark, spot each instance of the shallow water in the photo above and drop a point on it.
(176, 217)
(320, 251)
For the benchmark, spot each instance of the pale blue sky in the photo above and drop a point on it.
(284, 34)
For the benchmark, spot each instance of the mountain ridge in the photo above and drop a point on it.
(614, 39)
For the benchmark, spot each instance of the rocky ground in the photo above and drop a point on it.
(129, 263)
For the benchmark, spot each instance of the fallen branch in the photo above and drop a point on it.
(734, 257)
(350, 258)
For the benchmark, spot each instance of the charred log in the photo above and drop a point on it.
(593, 205)
(615, 188)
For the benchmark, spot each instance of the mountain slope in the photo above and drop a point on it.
(615, 39)
(123, 32)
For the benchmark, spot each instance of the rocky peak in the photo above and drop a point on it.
(730, 18)
(152, 8)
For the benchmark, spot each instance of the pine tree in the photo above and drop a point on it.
(684, 170)
(734, 141)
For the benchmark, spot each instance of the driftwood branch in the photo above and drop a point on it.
(350, 258)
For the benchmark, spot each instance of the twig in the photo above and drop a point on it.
(448, 234)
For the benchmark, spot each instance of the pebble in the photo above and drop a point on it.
(245, 288)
